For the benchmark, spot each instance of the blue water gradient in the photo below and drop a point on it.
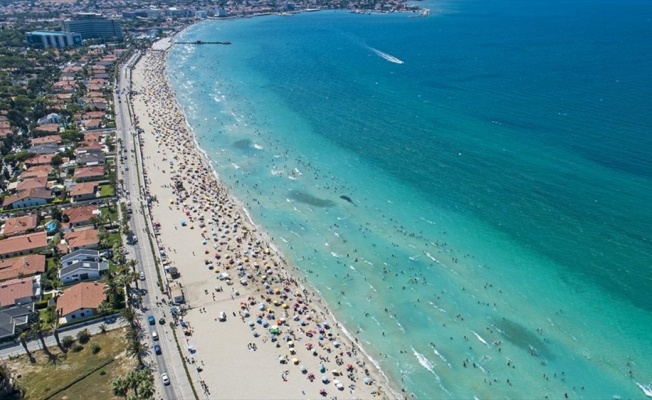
(496, 156)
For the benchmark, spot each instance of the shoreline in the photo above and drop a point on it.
(282, 267)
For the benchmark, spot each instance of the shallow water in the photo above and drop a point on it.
(496, 241)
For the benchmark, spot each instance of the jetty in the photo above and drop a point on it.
(202, 42)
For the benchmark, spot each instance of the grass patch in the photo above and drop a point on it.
(43, 379)
(106, 190)
(114, 238)
(110, 213)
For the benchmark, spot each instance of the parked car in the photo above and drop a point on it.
(165, 378)
(154, 335)
(157, 350)
(151, 320)
(142, 276)
(161, 321)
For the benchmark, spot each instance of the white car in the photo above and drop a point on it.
(165, 378)
(154, 335)
(142, 276)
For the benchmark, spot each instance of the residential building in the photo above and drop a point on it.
(79, 216)
(20, 291)
(85, 239)
(83, 255)
(24, 244)
(19, 225)
(45, 140)
(84, 191)
(80, 301)
(93, 26)
(28, 198)
(56, 39)
(83, 271)
(16, 319)
(92, 173)
(39, 171)
(52, 118)
(91, 159)
(20, 267)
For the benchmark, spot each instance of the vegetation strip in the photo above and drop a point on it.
(81, 378)
(185, 366)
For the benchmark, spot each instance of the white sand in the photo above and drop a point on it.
(231, 367)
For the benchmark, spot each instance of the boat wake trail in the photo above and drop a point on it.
(386, 56)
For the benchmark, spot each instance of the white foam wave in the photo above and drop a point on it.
(442, 358)
(481, 339)
(425, 363)
(647, 389)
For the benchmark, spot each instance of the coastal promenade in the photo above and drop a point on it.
(170, 361)
(252, 328)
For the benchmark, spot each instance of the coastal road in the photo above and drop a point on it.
(130, 170)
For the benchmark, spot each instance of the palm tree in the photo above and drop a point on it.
(113, 288)
(104, 308)
(138, 349)
(120, 387)
(146, 385)
(130, 316)
(55, 332)
(35, 327)
(23, 340)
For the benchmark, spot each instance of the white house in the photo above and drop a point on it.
(79, 256)
(82, 271)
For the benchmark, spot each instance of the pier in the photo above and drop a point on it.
(202, 42)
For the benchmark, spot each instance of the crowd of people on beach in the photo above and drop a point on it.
(209, 238)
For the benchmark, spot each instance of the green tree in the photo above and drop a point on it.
(120, 387)
(56, 161)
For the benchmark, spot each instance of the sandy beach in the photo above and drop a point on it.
(275, 338)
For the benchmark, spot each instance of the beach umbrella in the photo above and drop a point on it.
(295, 361)
(325, 379)
(367, 381)
(303, 369)
(281, 359)
(336, 344)
(256, 334)
(251, 323)
(322, 369)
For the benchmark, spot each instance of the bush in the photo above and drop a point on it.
(77, 348)
(102, 372)
(67, 341)
(83, 336)
(40, 305)
(95, 348)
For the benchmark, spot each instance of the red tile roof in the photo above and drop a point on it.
(23, 243)
(15, 289)
(83, 238)
(34, 193)
(19, 225)
(11, 268)
(56, 139)
(84, 188)
(78, 215)
(83, 295)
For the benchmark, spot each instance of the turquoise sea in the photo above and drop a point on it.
(497, 159)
